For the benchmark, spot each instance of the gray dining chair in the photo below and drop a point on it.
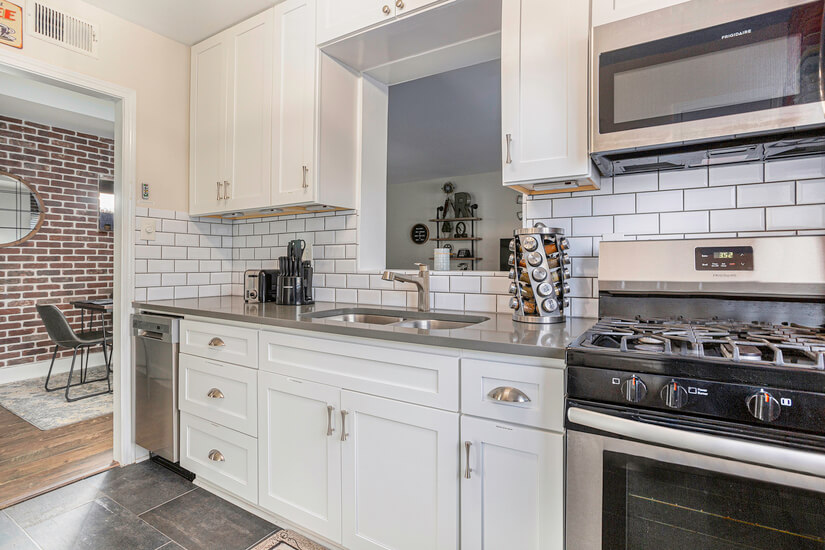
(63, 336)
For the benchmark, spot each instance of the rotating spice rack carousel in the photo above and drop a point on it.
(539, 273)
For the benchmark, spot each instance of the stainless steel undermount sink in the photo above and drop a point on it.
(398, 318)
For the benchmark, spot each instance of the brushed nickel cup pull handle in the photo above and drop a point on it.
(344, 433)
(508, 395)
(215, 393)
(216, 343)
(509, 141)
(330, 429)
(216, 456)
(467, 469)
(386, 10)
(399, 4)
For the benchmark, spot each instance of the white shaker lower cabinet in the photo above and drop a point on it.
(400, 486)
(512, 495)
(300, 452)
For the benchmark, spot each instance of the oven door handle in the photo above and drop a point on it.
(755, 453)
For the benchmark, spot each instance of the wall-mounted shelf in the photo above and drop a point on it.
(442, 220)
(457, 258)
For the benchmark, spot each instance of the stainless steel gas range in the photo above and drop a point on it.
(696, 405)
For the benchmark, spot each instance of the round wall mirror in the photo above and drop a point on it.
(21, 210)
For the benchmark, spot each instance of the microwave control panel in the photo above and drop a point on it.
(718, 258)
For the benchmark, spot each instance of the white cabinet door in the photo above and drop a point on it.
(249, 149)
(209, 74)
(294, 139)
(337, 18)
(400, 475)
(607, 11)
(406, 6)
(544, 62)
(300, 452)
(514, 497)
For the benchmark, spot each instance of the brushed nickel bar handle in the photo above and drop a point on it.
(509, 138)
(215, 393)
(330, 429)
(216, 456)
(467, 469)
(507, 394)
(344, 433)
(219, 189)
(305, 184)
(225, 190)
(216, 343)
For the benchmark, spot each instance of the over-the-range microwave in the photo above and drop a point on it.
(707, 72)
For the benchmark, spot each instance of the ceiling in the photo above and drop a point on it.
(445, 125)
(185, 21)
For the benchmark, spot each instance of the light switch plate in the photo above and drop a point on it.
(147, 229)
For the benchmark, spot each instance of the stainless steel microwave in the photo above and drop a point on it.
(705, 71)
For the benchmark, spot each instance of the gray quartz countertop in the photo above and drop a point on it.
(499, 334)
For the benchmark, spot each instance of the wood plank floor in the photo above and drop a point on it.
(34, 461)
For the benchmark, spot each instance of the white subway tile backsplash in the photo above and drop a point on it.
(160, 293)
(324, 294)
(173, 252)
(174, 226)
(750, 219)
(185, 292)
(636, 183)
(767, 194)
(736, 174)
(683, 222)
(161, 266)
(393, 298)
(334, 222)
(465, 284)
(796, 169)
(683, 179)
(480, 302)
(534, 209)
(495, 285)
(810, 192)
(711, 198)
(614, 204)
(358, 281)
(636, 224)
(345, 266)
(346, 295)
(173, 279)
(585, 267)
(449, 301)
(147, 279)
(796, 217)
(568, 208)
(371, 297)
(661, 201)
(596, 225)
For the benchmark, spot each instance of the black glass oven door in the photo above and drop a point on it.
(652, 505)
(763, 62)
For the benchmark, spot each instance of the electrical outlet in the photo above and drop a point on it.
(147, 229)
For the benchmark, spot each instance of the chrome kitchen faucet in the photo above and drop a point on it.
(422, 281)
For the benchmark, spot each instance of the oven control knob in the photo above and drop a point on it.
(763, 406)
(633, 389)
(674, 395)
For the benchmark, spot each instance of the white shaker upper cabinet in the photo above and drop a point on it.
(512, 496)
(294, 178)
(399, 472)
(607, 11)
(230, 112)
(544, 91)
(249, 153)
(210, 68)
(338, 18)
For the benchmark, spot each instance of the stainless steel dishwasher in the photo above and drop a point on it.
(156, 339)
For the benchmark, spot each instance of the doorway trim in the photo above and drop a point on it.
(123, 447)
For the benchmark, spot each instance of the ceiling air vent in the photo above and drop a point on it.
(60, 28)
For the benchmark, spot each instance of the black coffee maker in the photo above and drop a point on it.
(294, 286)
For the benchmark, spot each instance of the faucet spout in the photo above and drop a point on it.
(421, 281)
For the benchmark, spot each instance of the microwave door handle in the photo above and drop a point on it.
(755, 453)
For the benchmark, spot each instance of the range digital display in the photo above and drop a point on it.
(733, 258)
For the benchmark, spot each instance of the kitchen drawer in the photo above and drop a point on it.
(226, 343)
(542, 387)
(219, 392)
(233, 465)
(415, 374)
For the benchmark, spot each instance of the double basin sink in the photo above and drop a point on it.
(398, 318)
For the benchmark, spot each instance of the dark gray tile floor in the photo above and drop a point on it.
(140, 507)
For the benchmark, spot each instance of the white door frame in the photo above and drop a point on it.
(125, 179)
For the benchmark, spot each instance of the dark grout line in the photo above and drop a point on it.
(167, 502)
(28, 536)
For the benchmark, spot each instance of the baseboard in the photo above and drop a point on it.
(270, 517)
(16, 373)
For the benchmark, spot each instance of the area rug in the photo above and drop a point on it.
(287, 540)
(49, 410)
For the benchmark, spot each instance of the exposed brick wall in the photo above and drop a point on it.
(68, 259)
